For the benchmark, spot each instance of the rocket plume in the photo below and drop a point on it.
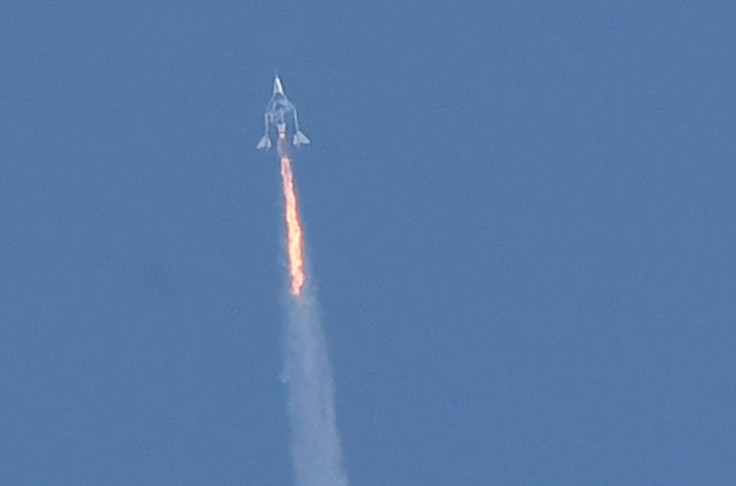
(315, 440)
(295, 245)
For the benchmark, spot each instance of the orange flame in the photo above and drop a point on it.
(293, 229)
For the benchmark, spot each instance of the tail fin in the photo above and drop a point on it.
(265, 143)
(300, 139)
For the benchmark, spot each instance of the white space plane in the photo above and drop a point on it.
(281, 116)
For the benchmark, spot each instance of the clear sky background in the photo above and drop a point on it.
(520, 218)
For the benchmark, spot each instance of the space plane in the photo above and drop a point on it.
(280, 120)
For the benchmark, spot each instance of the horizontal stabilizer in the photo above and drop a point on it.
(300, 139)
(265, 143)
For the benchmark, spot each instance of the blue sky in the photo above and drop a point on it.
(519, 215)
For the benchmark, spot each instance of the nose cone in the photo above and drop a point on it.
(277, 87)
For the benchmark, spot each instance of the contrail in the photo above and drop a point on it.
(315, 440)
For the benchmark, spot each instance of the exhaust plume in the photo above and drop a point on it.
(315, 446)
(295, 245)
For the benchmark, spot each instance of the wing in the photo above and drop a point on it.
(301, 139)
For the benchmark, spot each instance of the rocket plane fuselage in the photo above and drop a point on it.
(281, 122)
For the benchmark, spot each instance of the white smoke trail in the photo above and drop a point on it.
(315, 440)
